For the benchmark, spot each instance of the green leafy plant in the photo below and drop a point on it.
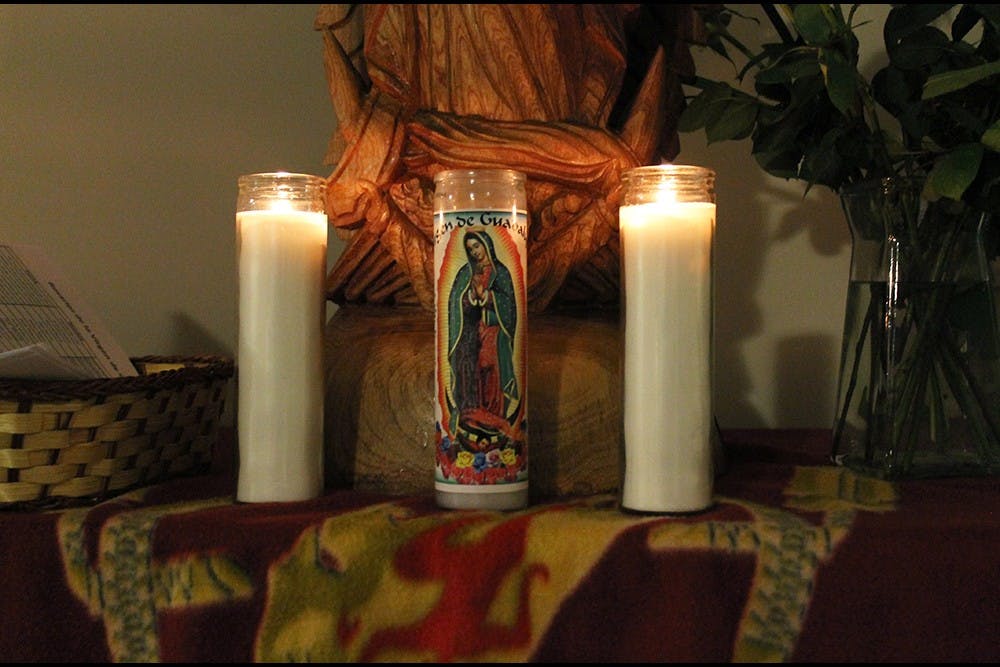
(813, 115)
(914, 153)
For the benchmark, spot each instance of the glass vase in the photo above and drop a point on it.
(919, 380)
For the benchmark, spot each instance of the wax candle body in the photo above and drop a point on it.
(282, 266)
(667, 393)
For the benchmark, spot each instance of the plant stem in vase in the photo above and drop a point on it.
(919, 392)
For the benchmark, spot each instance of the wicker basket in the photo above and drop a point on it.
(81, 441)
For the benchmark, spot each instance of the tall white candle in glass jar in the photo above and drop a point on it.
(282, 239)
(667, 222)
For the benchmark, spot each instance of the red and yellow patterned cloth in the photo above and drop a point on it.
(797, 560)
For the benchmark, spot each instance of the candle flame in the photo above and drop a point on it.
(667, 192)
(281, 204)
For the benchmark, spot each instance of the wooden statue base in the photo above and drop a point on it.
(380, 388)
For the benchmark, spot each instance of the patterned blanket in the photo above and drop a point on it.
(797, 560)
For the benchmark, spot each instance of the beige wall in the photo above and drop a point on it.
(781, 268)
(123, 129)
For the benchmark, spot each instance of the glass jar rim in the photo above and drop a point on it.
(654, 170)
(489, 174)
(281, 177)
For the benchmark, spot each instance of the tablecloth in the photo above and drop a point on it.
(796, 560)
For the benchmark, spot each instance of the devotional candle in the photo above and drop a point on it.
(480, 325)
(281, 228)
(667, 222)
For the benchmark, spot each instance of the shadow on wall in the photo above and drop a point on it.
(740, 251)
(189, 337)
(823, 220)
(806, 364)
(748, 230)
(806, 372)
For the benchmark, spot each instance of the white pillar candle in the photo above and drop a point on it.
(282, 268)
(667, 388)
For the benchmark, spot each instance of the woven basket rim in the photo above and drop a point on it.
(197, 368)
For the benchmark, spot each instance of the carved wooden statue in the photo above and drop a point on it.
(570, 94)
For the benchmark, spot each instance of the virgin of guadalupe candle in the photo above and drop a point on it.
(667, 224)
(480, 324)
(281, 232)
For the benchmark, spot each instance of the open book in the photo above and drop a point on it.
(46, 331)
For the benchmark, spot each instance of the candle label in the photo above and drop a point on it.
(480, 263)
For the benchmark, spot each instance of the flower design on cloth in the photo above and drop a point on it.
(387, 583)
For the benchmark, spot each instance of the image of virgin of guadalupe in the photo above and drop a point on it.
(484, 396)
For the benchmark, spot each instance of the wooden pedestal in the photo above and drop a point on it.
(380, 401)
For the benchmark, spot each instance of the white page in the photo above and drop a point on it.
(38, 362)
(39, 307)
